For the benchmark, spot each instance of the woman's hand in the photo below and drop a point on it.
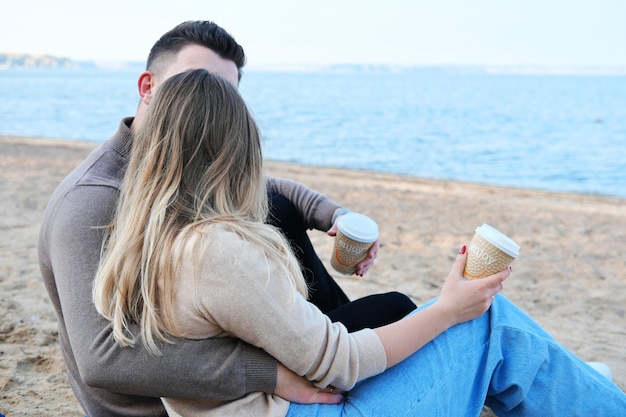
(298, 389)
(460, 300)
(463, 299)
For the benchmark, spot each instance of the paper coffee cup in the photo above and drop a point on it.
(355, 235)
(490, 251)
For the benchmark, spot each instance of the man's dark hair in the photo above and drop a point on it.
(202, 32)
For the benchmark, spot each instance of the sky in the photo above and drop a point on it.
(531, 33)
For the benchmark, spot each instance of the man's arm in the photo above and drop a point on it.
(316, 209)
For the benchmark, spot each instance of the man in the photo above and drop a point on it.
(109, 380)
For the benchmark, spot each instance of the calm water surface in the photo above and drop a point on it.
(551, 132)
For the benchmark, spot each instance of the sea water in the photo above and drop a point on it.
(544, 131)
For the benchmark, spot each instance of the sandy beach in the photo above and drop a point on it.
(571, 276)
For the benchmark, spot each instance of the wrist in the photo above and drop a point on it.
(444, 314)
(338, 213)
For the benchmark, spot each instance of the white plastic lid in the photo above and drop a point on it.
(358, 227)
(498, 239)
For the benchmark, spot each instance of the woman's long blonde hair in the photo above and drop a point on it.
(196, 160)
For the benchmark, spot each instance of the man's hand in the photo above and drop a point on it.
(298, 389)
(363, 266)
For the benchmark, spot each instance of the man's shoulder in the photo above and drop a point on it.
(94, 182)
(102, 167)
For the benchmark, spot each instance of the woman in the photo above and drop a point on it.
(189, 255)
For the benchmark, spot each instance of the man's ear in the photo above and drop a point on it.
(145, 86)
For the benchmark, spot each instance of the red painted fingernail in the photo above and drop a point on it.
(462, 251)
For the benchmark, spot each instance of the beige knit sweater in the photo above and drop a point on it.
(235, 292)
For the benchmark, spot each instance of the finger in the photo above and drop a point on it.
(494, 283)
(373, 251)
(363, 266)
(333, 230)
(362, 270)
(459, 263)
(330, 395)
(498, 278)
(328, 398)
(334, 390)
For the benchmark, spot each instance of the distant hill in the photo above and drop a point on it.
(18, 60)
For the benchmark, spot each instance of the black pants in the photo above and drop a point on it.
(371, 311)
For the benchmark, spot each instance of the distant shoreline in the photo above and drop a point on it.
(10, 60)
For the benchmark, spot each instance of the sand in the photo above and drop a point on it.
(570, 277)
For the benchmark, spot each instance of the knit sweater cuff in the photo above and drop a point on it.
(373, 358)
(261, 371)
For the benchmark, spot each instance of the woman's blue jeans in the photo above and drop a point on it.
(502, 359)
